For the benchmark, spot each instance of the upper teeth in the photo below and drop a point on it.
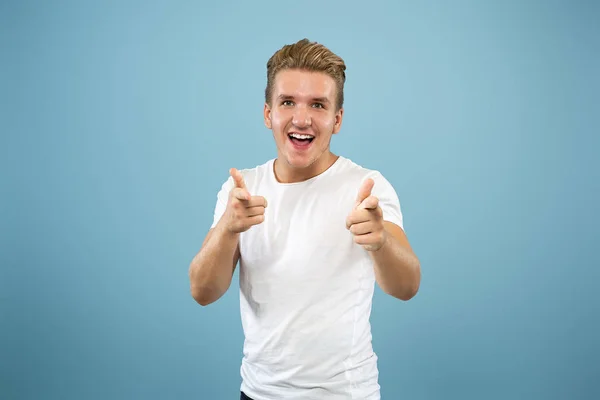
(298, 136)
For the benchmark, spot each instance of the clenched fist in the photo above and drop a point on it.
(243, 210)
(365, 221)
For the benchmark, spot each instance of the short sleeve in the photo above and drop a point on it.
(388, 200)
(222, 197)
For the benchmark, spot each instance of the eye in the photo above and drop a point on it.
(318, 105)
(287, 103)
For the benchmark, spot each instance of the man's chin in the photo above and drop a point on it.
(300, 162)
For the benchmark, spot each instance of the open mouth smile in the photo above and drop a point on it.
(300, 140)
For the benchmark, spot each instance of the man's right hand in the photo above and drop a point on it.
(243, 210)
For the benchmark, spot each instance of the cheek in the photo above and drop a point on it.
(278, 121)
(325, 124)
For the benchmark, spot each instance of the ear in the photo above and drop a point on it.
(338, 120)
(267, 116)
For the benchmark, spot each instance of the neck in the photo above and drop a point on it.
(286, 173)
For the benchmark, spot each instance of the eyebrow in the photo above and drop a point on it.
(317, 99)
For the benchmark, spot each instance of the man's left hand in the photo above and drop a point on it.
(365, 221)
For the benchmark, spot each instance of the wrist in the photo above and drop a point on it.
(384, 242)
(223, 231)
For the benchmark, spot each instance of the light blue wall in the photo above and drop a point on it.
(120, 121)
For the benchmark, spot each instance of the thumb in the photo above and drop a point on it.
(365, 190)
(238, 179)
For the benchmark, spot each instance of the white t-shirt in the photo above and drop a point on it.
(306, 288)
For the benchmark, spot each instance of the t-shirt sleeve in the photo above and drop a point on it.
(222, 197)
(388, 200)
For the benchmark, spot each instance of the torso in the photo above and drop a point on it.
(306, 289)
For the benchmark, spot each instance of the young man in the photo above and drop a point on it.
(313, 232)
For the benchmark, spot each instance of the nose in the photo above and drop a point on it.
(301, 117)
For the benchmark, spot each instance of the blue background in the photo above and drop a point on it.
(120, 121)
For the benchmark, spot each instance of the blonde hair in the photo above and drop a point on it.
(309, 56)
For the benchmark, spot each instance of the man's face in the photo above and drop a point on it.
(303, 117)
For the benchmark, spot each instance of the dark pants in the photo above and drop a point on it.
(244, 397)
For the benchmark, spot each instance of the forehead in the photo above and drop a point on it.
(303, 83)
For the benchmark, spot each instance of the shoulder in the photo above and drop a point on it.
(251, 175)
(353, 172)
(256, 176)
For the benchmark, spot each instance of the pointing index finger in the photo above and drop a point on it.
(370, 203)
(365, 190)
(240, 194)
(238, 179)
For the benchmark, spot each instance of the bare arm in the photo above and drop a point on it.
(397, 268)
(212, 268)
